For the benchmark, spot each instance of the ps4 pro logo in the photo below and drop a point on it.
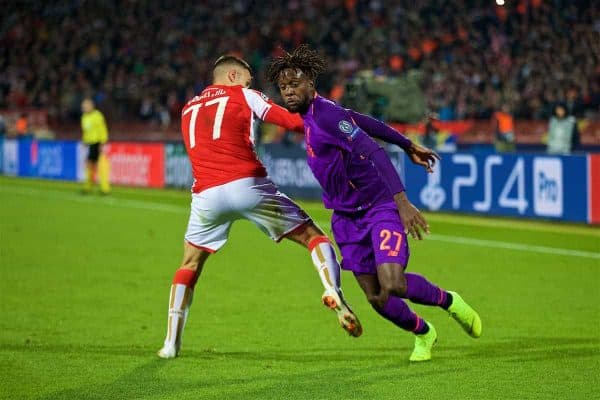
(496, 183)
(548, 186)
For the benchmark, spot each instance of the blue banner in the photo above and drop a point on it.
(541, 186)
(287, 168)
(10, 157)
(1, 154)
(56, 160)
(40, 158)
(26, 146)
(533, 186)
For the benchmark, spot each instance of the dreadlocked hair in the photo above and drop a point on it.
(309, 61)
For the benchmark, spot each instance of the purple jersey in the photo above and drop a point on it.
(354, 171)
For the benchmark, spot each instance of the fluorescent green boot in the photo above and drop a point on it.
(465, 315)
(423, 345)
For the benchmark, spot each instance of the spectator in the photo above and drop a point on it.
(504, 129)
(146, 55)
(563, 135)
(430, 136)
(2, 126)
(22, 126)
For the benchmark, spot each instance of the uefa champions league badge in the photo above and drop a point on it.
(345, 127)
(348, 129)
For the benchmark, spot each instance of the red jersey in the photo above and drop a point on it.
(217, 128)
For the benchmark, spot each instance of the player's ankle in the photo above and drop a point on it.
(421, 328)
(447, 302)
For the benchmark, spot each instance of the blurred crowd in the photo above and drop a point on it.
(143, 59)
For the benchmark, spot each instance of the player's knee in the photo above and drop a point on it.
(306, 234)
(375, 302)
(193, 258)
(396, 287)
(378, 301)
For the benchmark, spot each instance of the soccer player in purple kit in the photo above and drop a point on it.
(371, 213)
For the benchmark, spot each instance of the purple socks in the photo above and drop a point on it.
(398, 312)
(419, 290)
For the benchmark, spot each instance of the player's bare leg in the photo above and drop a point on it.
(180, 298)
(325, 261)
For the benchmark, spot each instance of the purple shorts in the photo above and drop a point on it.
(370, 238)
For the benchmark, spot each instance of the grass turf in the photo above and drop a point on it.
(83, 295)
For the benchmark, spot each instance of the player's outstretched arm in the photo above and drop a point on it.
(280, 116)
(270, 112)
(377, 129)
(418, 154)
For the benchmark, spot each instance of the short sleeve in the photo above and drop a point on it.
(258, 102)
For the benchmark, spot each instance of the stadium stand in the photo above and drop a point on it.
(140, 60)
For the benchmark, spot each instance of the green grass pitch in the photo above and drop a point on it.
(84, 282)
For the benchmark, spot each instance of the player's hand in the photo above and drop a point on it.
(413, 220)
(423, 156)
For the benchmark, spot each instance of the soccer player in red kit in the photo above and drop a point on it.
(230, 183)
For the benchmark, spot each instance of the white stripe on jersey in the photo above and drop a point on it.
(257, 102)
(252, 131)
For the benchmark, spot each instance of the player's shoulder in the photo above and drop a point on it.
(323, 105)
(190, 102)
(331, 116)
(255, 94)
(325, 110)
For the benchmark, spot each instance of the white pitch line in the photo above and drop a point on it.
(528, 225)
(496, 244)
(98, 201)
(154, 206)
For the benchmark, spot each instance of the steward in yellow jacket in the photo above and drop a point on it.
(95, 134)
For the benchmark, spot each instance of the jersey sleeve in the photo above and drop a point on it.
(377, 129)
(270, 112)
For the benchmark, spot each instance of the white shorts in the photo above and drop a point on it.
(256, 199)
